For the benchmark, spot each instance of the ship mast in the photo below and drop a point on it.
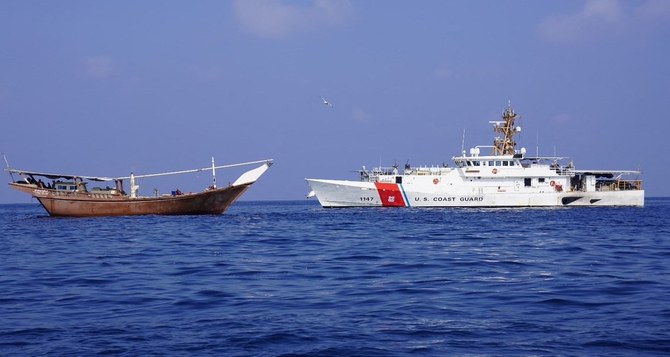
(506, 144)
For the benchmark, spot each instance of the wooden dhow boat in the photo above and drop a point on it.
(68, 195)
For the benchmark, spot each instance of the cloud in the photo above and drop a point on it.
(654, 10)
(602, 18)
(360, 115)
(275, 19)
(100, 67)
(443, 73)
(207, 73)
(594, 19)
(562, 119)
(4, 95)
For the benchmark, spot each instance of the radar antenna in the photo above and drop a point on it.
(506, 144)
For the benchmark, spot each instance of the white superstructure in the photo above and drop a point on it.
(506, 178)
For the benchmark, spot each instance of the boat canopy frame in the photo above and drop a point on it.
(54, 176)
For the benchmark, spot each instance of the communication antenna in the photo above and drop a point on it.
(463, 143)
(213, 174)
(537, 143)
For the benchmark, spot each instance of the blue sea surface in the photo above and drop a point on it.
(294, 279)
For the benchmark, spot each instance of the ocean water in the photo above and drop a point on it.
(293, 279)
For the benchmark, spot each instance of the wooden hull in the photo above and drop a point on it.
(87, 204)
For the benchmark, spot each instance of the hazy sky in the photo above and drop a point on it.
(108, 87)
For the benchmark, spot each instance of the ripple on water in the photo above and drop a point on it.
(278, 278)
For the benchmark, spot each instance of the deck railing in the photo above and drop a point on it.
(621, 185)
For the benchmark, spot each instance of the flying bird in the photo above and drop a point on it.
(325, 102)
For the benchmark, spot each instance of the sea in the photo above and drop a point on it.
(289, 278)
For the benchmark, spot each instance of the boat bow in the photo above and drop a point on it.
(252, 175)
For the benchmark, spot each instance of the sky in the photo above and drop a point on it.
(106, 88)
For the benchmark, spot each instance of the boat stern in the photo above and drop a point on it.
(23, 187)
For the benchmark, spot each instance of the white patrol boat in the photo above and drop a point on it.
(506, 178)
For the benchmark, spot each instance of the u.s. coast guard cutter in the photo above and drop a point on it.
(505, 178)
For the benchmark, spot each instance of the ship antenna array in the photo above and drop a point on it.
(463, 143)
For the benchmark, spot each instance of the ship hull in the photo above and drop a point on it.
(343, 193)
(504, 178)
(85, 204)
(72, 199)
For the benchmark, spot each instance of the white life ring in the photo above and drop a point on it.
(552, 183)
(495, 171)
(436, 181)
